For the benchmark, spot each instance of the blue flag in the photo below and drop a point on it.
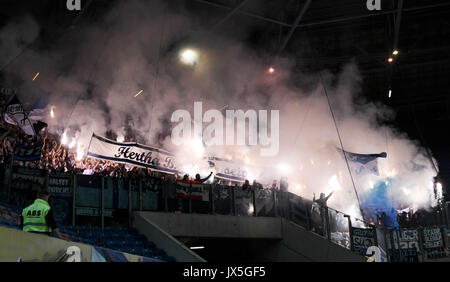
(362, 163)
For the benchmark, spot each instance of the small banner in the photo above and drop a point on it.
(409, 238)
(27, 153)
(60, 188)
(192, 191)
(227, 170)
(362, 239)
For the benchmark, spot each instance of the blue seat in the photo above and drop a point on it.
(149, 245)
(170, 259)
(132, 231)
(128, 236)
(138, 244)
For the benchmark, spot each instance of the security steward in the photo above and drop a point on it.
(38, 217)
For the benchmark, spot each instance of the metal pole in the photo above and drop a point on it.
(275, 206)
(446, 215)
(233, 200)
(254, 200)
(421, 243)
(211, 197)
(130, 203)
(386, 245)
(327, 220)
(308, 215)
(350, 231)
(10, 178)
(164, 192)
(140, 194)
(103, 204)
(234, 10)
(294, 26)
(74, 187)
(397, 22)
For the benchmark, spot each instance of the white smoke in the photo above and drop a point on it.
(94, 76)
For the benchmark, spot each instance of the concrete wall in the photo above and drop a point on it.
(215, 226)
(31, 247)
(163, 239)
(294, 242)
(35, 248)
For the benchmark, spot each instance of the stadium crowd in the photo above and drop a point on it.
(56, 157)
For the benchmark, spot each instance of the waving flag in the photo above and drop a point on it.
(16, 115)
(362, 163)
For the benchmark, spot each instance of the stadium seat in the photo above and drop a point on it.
(170, 259)
(149, 245)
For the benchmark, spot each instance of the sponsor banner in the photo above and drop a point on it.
(132, 153)
(192, 191)
(27, 153)
(60, 188)
(362, 239)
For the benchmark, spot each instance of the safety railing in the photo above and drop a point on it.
(106, 200)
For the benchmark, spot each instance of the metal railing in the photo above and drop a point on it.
(104, 197)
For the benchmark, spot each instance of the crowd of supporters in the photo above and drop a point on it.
(56, 157)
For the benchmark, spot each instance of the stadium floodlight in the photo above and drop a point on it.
(189, 57)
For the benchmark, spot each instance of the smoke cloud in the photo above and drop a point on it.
(94, 74)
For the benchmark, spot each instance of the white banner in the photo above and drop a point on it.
(132, 153)
(228, 170)
(158, 159)
(192, 191)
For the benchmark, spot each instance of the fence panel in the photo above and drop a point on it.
(265, 202)
(61, 197)
(152, 194)
(339, 228)
(244, 202)
(298, 209)
(222, 197)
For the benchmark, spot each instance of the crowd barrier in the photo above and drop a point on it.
(78, 197)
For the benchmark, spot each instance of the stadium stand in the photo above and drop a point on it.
(127, 240)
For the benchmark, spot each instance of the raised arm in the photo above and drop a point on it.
(206, 178)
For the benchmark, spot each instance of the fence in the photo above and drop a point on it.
(97, 200)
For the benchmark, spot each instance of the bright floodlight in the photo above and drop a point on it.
(271, 70)
(189, 57)
(395, 52)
